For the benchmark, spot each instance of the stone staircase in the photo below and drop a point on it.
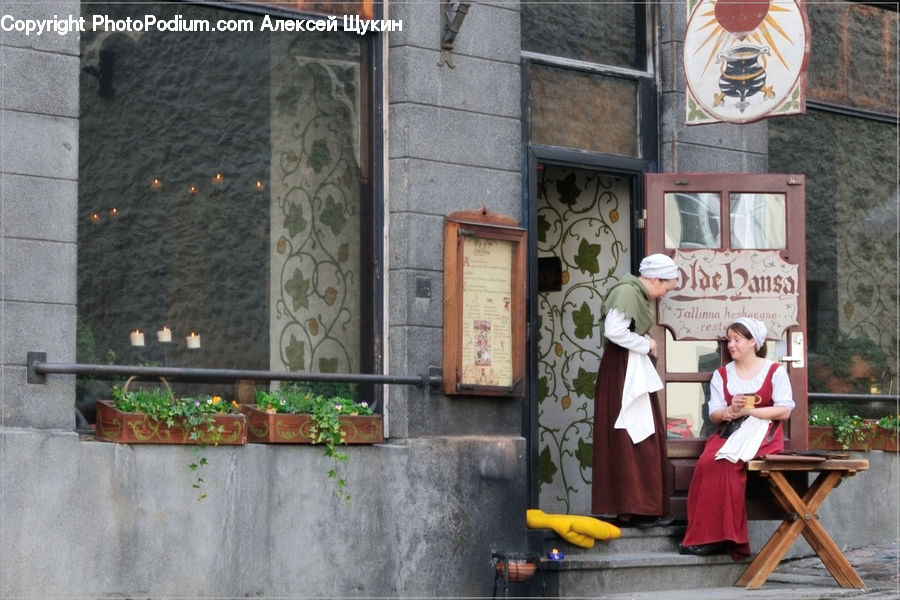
(639, 561)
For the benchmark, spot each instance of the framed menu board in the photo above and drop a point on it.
(484, 304)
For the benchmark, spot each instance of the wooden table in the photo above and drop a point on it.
(802, 517)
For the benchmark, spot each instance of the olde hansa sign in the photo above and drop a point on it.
(745, 60)
(717, 287)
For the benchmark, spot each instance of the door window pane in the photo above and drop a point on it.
(687, 414)
(691, 356)
(757, 221)
(692, 220)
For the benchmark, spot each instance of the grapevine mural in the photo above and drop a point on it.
(314, 280)
(584, 220)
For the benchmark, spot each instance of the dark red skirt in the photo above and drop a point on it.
(628, 478)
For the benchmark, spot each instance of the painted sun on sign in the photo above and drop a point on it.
(745, 60)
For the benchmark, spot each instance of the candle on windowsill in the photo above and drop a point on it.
(164, 335)
(193, 341)
(137, 338)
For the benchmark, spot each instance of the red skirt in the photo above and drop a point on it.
(717, 504)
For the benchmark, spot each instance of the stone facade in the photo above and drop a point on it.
(90, 519)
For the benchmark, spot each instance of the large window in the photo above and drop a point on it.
(851, 196)
(225, 191)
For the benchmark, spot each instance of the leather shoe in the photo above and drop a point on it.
(703, 549)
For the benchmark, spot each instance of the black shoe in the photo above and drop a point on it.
(647, 522)
(703, 549)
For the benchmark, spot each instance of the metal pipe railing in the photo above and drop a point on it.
(854, 397)
(39, 368)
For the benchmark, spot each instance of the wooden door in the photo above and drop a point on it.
(740, 244)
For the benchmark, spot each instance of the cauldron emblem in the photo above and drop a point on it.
(743, 74)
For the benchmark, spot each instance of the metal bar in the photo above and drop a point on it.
(862, 397)
(38, 368)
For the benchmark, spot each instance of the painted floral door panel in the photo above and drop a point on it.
(583, 232)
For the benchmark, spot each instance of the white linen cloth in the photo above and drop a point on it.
(744, 443)
(636, 415)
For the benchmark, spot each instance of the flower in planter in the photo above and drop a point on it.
(848, 429)
(325, 413)
(890, 423)
(197, 416)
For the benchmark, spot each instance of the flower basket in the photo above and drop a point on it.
(114, 425)
(284, 428)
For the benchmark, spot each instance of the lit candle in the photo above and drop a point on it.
(137, 338)
(95, 218)
(218, 179)
(193, 341)
(259, 185)
(192, 190)
(156, 184)
(114, 213)
(555, 554)
(164, 335)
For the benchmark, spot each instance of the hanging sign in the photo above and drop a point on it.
(745, 60)
(715, 288)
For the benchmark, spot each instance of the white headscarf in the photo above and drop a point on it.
(756, 328)
(658, 266)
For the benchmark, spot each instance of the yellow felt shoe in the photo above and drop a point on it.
(578, 530)
(595, 528)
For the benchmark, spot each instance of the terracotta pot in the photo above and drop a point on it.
(519, 570)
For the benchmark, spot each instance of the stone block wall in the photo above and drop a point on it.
(38, 196)
(454, 143)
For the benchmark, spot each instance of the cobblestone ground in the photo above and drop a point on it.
(878, 566)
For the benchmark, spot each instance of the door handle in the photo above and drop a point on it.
(795, 352)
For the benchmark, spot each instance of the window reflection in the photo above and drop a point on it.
(757, 220)
(692, 220)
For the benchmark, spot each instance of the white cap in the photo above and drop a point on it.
(658, 266)
(756, 328)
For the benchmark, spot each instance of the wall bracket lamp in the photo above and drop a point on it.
(451, 18)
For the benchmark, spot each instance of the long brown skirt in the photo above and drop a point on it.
(628, 478)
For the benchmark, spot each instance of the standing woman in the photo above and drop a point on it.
(751, 386)
(631, 469)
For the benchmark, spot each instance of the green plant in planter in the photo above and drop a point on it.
(890, 423)
(325, 413)
(196, 414)
(847, 428)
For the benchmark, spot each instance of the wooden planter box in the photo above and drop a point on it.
(821, 437)
(885, 440)
(114, 425)
(281, 428)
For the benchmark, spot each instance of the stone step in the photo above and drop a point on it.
(640, 560)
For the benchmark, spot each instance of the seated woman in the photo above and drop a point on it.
(750, 385)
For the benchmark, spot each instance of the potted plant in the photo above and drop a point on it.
(295, 415)
(888, 433)
(156, 416)
(832, 427)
